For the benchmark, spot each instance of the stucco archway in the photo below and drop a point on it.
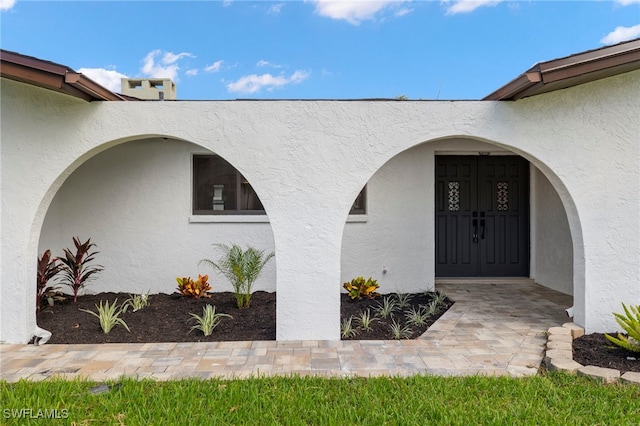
(134, 199)
(394, 242)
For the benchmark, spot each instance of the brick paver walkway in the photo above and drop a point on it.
(494, 329)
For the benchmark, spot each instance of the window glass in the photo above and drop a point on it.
(220, 189)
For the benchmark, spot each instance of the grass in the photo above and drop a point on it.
(550, 399)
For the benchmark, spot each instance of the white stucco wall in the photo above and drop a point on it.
(134, 202)
(307, 160)
(552, 248)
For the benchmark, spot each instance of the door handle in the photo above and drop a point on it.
(482, 225)
(474, 222)
(475, 230)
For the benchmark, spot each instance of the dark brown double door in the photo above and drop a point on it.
(482, 216)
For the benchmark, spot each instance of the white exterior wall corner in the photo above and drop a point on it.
(308, 159)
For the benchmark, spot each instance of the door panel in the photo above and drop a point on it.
(482, 216)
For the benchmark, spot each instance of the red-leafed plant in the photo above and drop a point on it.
(47, 269)
(76, 270)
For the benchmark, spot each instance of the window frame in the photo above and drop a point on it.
(239, 180)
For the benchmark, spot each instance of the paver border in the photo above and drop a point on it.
(559, 357)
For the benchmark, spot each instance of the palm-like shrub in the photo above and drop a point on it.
(241, 268)
(630, 323)
(47, 269)
(76, 271)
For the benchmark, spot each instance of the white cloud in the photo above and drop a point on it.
(403, 11)
(191, 72)
(263, 63)
(353, 11)
(466, 6)
(7, 4)
(171, 58)
(214, 67)
(627, 2)
(104, 77)
(276, 8)
(168, 68)
(254, 83)
(621, 34)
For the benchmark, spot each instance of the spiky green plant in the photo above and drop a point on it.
(365, 319)
(136, 302)
(208, 321)
(439, 297)
(387, 307)
(403, 299)
(399, 331)
(241, 268)
(109, 316)
(347, 330)
(630, 323)
(432, 308)
(417, 316)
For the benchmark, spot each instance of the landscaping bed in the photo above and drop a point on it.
(167, 319)
(595, 349)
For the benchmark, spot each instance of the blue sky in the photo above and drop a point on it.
(456, 49)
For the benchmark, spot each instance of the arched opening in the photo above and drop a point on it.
(397, 244)
(137, 202)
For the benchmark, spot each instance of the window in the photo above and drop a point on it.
(359, 205)
(218, 188)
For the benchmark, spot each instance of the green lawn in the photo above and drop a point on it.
(550, 399)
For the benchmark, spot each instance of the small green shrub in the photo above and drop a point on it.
(387, 307)
(630, 323)
(241, 267)
(417, 317)
(136, 302)
(196, 289)
(403, 299)
(432, 308)
(358, 288)
(208, 321)
(109, 316)
(366, 320)
(439, 297)
(400, 331)
(347, 330)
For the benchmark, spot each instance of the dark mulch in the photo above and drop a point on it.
(595, 349)
(165, 319)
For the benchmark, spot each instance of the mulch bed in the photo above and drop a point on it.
(595, 349)
(166, 319)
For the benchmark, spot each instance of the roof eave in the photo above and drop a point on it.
(572, 71)
(56, 77)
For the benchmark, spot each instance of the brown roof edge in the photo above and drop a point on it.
(52, 76)
(571, 71)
